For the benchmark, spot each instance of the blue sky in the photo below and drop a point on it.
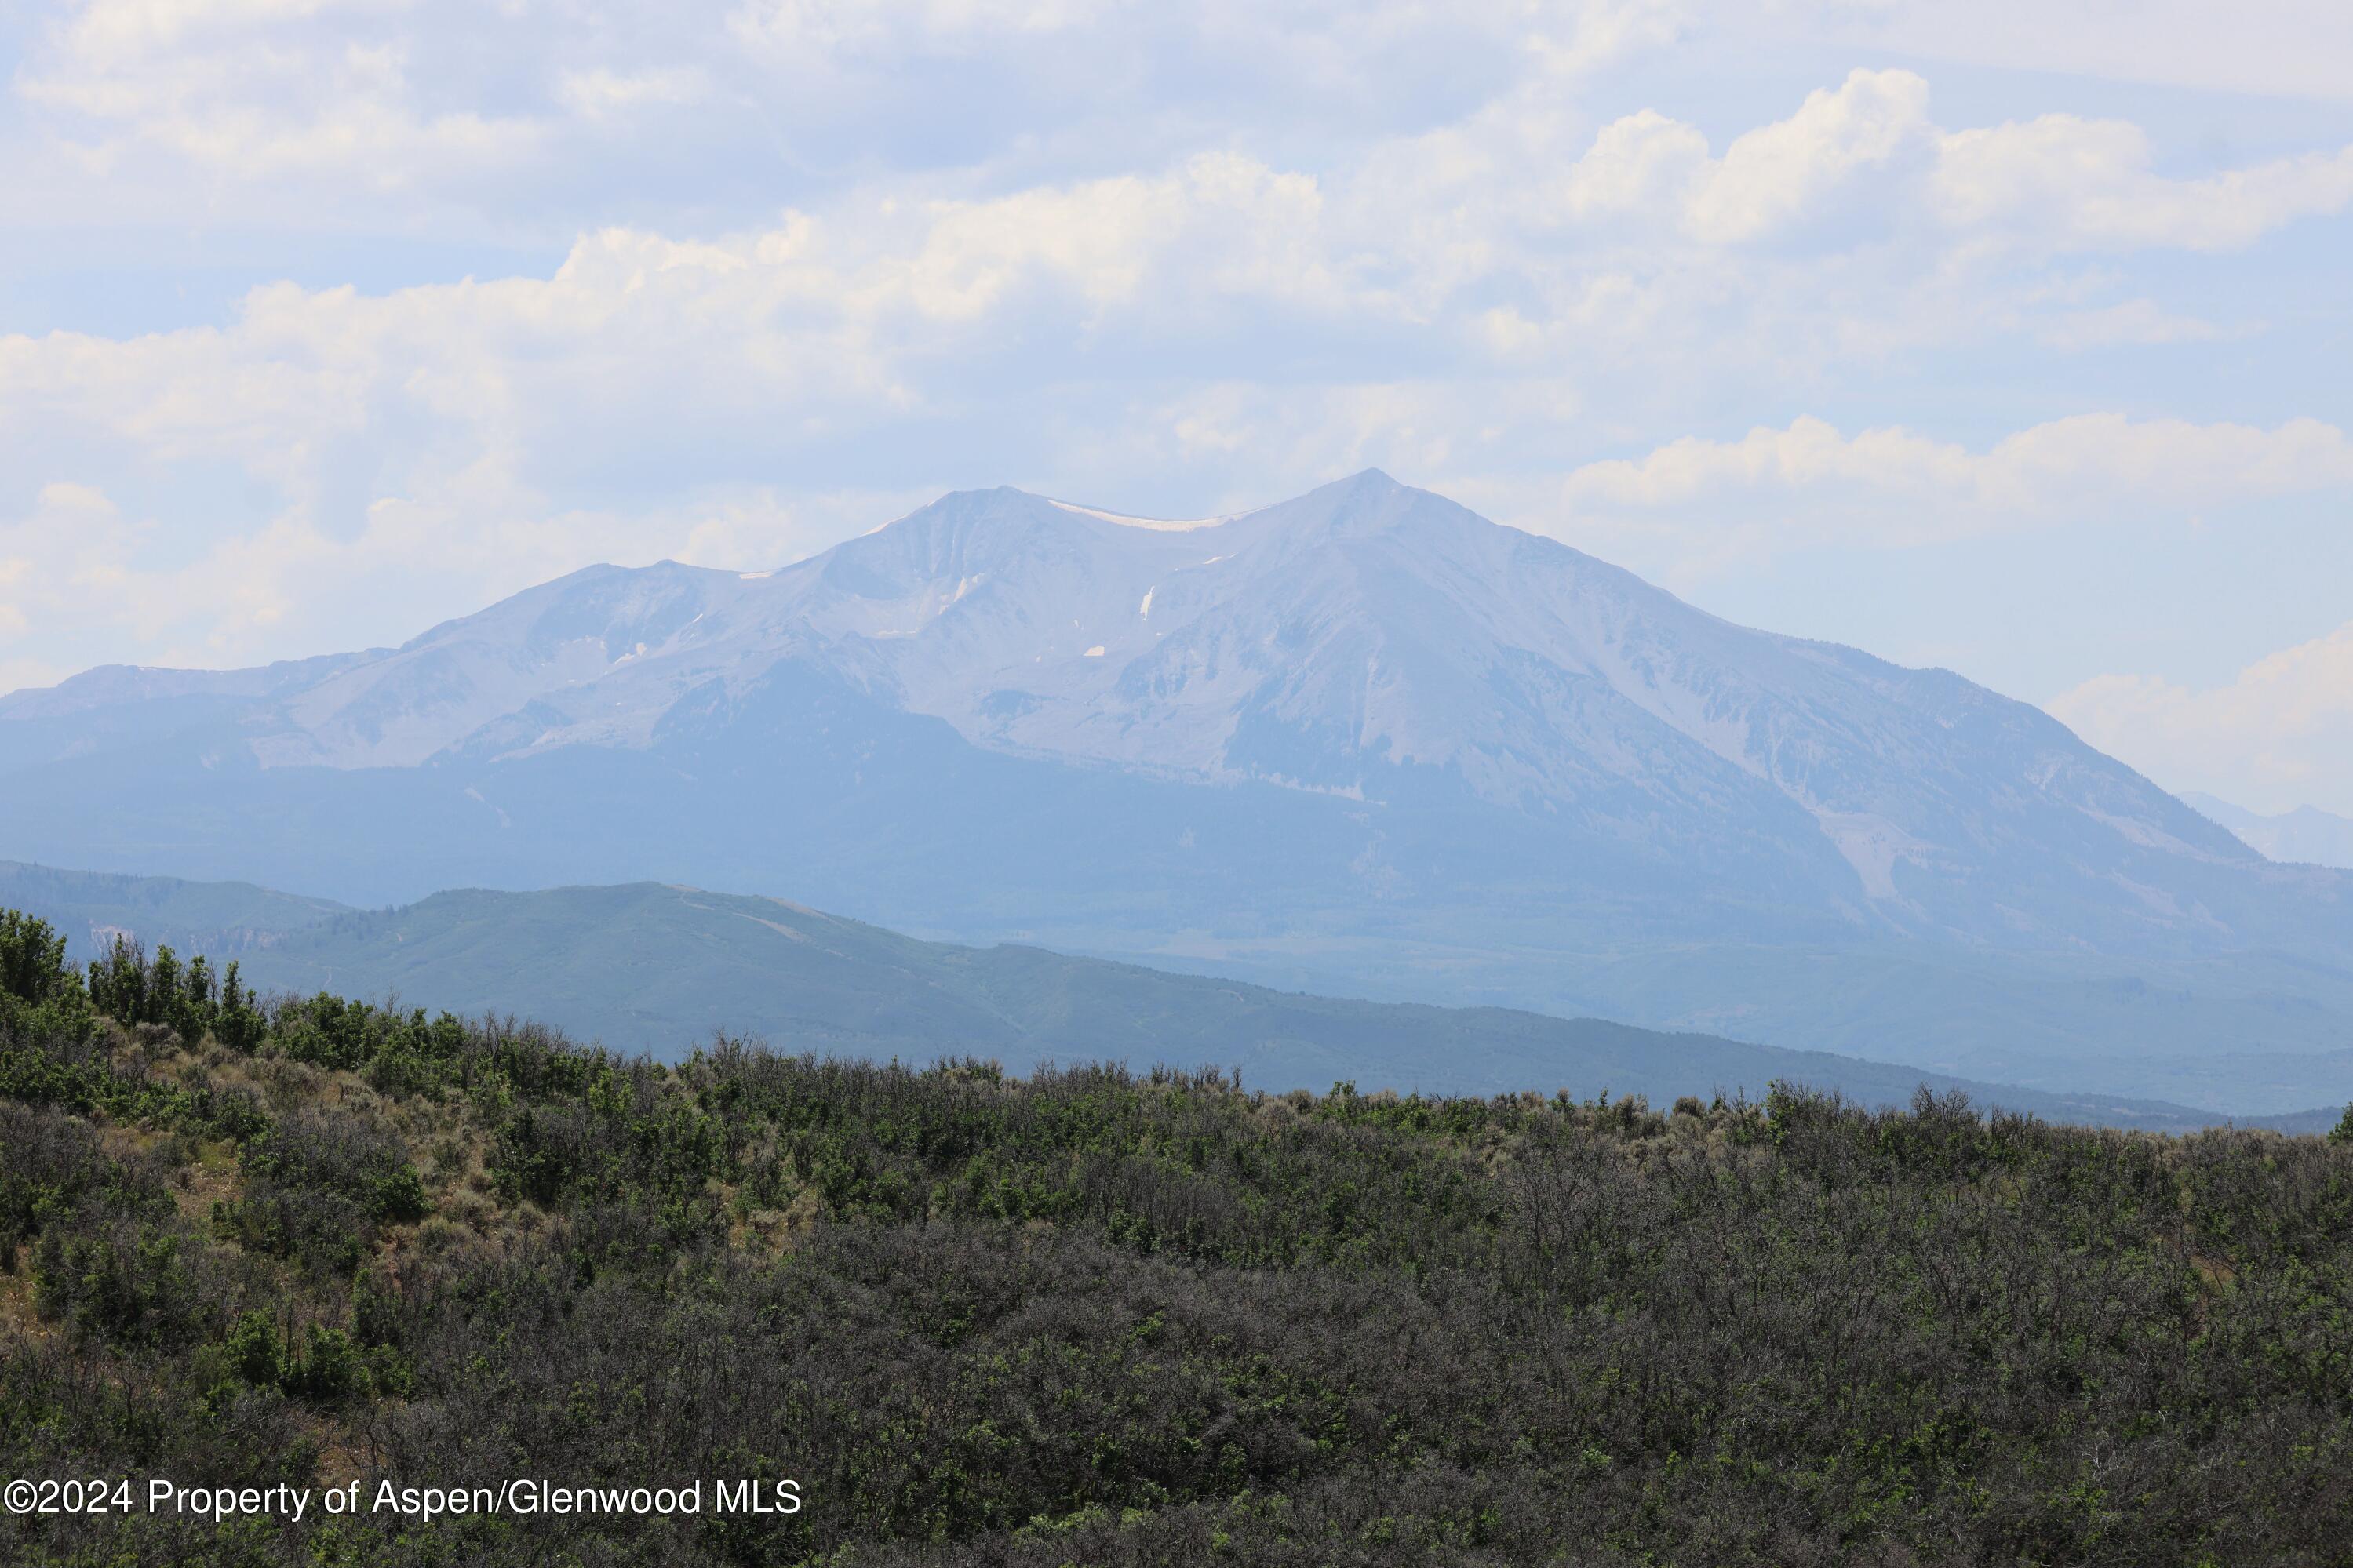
(2009, 338)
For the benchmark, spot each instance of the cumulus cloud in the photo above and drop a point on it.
(1640, 161)
(299, 107)
(1653, 171)
(70, 554)
(2088, 183)
(1807, 483)
(1774, 174)
(259, 91)
(1244, 228)
(2278, 736)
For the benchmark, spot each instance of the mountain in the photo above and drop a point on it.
(654, 968)
(225, 919)
(2306, 835)
(1363, 740)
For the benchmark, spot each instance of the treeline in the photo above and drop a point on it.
(1098, 1317)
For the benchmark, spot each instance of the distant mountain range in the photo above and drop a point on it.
(2306, 835)
(224, 920)
(660, 969)
(1362, 742)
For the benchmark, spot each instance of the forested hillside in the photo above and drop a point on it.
(656, 968)
(1096, 1317)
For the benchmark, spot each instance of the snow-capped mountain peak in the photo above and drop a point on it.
(1366, 641)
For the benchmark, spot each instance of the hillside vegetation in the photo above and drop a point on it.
(1095, 1316)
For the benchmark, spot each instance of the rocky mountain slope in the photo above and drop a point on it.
(1364, 739)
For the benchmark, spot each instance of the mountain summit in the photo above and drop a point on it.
(1362, 736)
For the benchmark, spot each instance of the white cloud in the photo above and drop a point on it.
(1645, 173)
(68, 554)
(603, 94)
(1245, 228)
(2058, 181)
(225, 87)
(286, 107)
(1639, 161)
(2087, 183)
(1809, 484)
(2278, 736)
(1775, 172)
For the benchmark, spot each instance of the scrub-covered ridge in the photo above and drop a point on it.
(1093, 1316)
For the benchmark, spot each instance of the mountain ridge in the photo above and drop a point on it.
(659, 968)
(2307, 835)
(1361, 733)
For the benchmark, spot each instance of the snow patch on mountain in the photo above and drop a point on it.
(1157, 524)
